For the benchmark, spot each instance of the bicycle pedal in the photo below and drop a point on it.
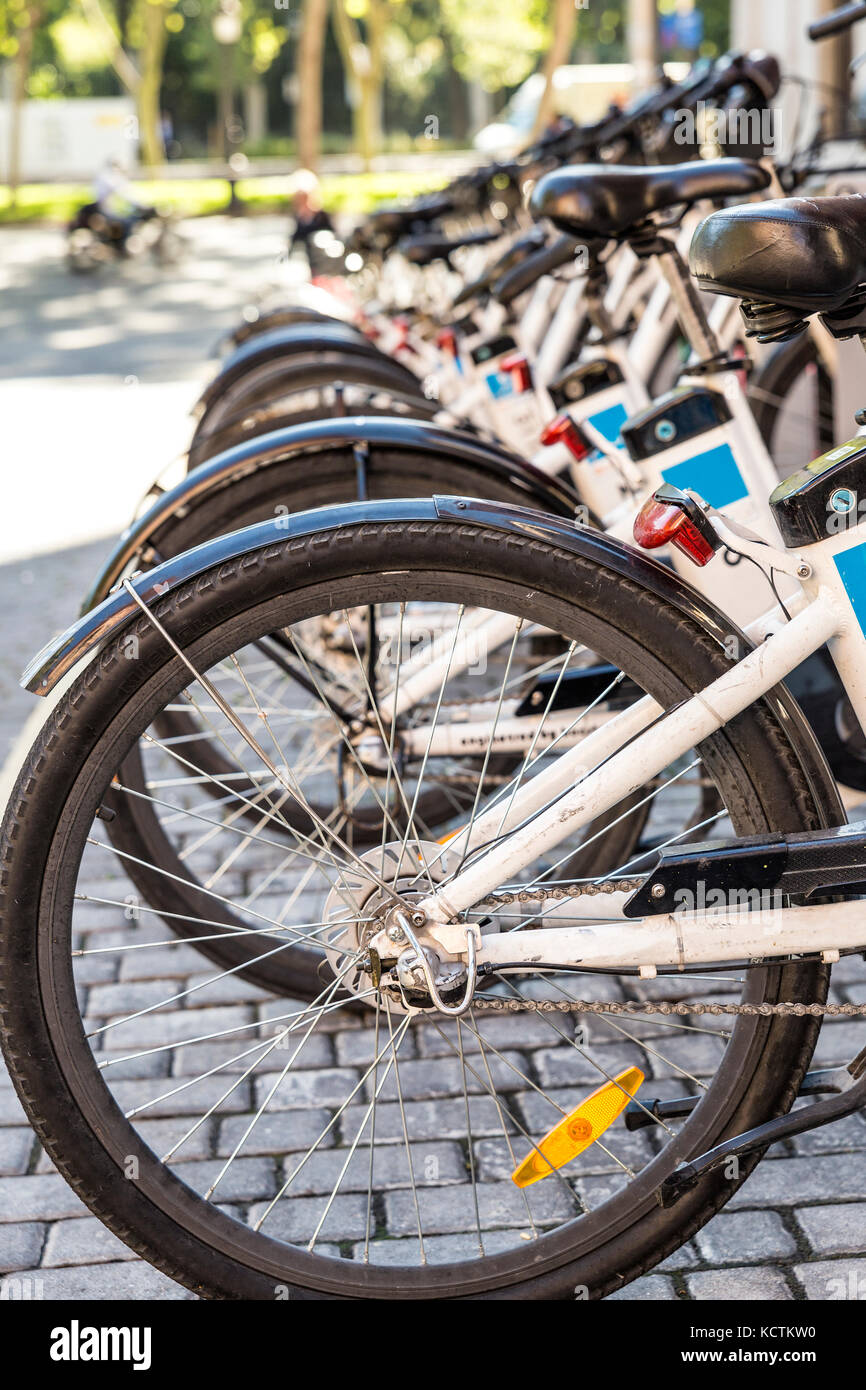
(577, 1130)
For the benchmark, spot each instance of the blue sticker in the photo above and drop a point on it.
(713, 475)
(500, 384)
(851, 565)
(609, 422)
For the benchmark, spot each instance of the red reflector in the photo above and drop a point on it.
(563, 430)
(446, 339)
(659, 523)
(519, 370)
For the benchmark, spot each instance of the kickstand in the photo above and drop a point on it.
(844, 1087)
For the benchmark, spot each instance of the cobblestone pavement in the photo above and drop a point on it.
(795, 1231)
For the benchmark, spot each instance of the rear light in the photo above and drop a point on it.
(563, 430)
(671, 517)
(446, 341)
(518, 368)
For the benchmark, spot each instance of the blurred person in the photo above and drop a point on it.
(311, 221)
(115, 210)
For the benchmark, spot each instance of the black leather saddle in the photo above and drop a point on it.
(803, 253)
(605, 200)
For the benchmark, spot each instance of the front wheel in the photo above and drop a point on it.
(254, 1148)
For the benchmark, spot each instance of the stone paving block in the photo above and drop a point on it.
(328, 1086)
(833, 1280)
(684, 1258)
(284, 1131)
(450, 1210)
(132, 1280)
(163, 1135)
(505, 1031)
(134, 1064)
(21, 1245)
(237, 1055)
(837, 1043)
(11, 1109)
(163, 1097)
(160, 962)
(427, 1079)
(565, 1066)
(432, 1165)
(121, 1000)
(788, 1182)
(745, 1235)
(215, 987)
(38, 1197)
(284, 1010)
(357, 1047)
(849, 1133)
(296, 1218)
(756, 1282)
(83, 1242)
(834, 1229)
(16, 1146)
(444, 1249)
(244, 1180)
(652, 1288)
(431, 1119)
(172, 1026)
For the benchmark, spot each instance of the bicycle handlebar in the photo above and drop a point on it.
(837, 21)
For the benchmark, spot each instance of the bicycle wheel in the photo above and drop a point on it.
(139, 833)
(368, 1160)
(311, 395)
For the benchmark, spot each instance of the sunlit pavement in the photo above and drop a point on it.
(94, 395)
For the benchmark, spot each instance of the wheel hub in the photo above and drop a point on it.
(358, 909)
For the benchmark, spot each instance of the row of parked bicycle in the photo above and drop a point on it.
(379, 732)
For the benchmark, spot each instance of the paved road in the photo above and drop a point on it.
(795, 1231)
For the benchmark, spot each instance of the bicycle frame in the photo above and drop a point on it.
(565, 797)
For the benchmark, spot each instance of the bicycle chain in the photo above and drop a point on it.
(636, 1006)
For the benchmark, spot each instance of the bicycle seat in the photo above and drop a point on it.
(801, 253)
(433, 246)
(604, 200)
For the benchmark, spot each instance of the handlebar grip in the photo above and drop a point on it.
(837, 21)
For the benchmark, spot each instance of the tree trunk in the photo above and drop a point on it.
(560, 47)
(21, 74)
(150, 86)
(314, 22)
(364, 64)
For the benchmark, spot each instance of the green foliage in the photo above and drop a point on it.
(341, 193)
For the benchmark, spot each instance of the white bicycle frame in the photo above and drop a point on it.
(629, 750)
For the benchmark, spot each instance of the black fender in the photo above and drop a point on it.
(120, 608)
(377, 431)
(311, 339)
(286, 316)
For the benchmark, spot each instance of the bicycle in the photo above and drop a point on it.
(454, 926)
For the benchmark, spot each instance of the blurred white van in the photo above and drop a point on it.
(583, 91)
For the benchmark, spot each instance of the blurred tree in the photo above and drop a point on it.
(364, 62)
(496, 44)
(146, 27)
(20, 22)
(558, 52)
(309, 80)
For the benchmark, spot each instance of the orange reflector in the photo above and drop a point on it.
(575, 1132)
(443, 839)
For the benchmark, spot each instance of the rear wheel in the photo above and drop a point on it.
(285, 1151)
(298, 484)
